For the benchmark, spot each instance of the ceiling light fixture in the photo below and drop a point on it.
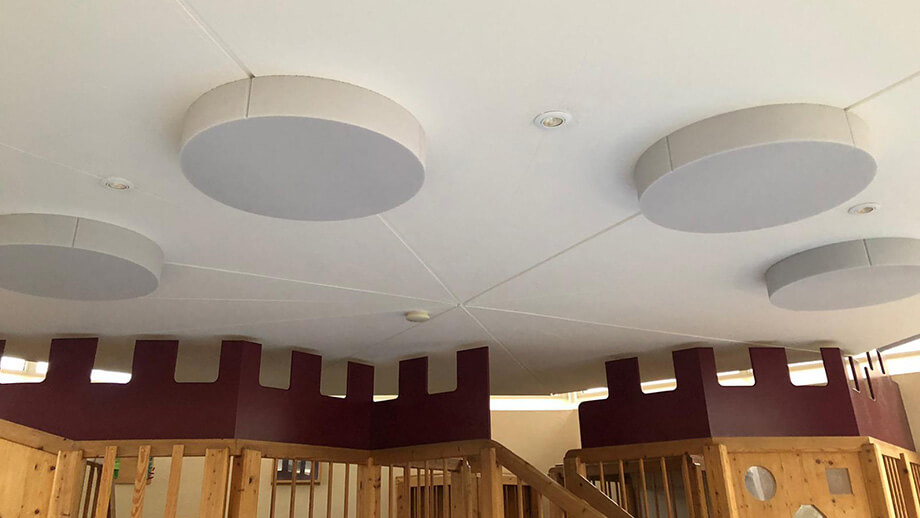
(552, 119)
(852, 274)
(754, 168)
(863, 208)
(116, 183)
(302, 148)
(64, 257)
(418, 316)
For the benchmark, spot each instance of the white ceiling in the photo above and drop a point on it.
(524, 239)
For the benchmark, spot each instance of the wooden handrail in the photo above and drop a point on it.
(573, 505)
(585, 490)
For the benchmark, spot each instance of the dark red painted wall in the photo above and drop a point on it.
(700, 407)
(154, 406)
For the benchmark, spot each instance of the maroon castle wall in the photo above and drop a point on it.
(154, 406)
(773, 406)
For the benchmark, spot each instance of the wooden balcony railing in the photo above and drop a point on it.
(464, 479)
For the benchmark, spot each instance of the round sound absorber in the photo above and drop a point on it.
(302, 148)
(754, 168)
(845, 275)
(76, 258)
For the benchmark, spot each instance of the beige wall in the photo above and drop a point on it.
(910, 393)
(540, 437)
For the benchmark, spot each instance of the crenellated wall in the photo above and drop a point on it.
(154, 406)
(773, 406)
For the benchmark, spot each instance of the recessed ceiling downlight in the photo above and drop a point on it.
(552, 119)
(302, 148)
(846, 275)
(75, 258)
(754, 168)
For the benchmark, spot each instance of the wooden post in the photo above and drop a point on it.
(457, 500)
(214, 483)
(404, 509)
(67, 485)
(367, 501)
(910, 488)
(622, 486)
(140, 482)
(175, 478)
(105, 482)
(721, 490)
(391, 492)
(873, 467)
(491, 503)
(244, 485)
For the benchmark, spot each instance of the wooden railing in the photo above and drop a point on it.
(464, 479)
(651, 480)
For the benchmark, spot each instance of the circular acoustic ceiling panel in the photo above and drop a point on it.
(302, 148)
(75, 258)
(754, 168)
(846, 275)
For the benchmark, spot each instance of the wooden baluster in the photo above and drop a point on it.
(347, 480)
(105, 482)
(520, 497)
(329, 492)
(445, 496)
(391, 492)
(427, 492)
(624, 503)
(175, 478)
(603, 479)
(418, 492)
(274, 495)
(140, 482)
(703, 505)
(643, 491)
(537, 502)
(92, 509)
(688, 490)
(89, 474)
(666, 486)
(313, 474)
(214, 483)
(293, 504)
(655, 496)
(466, 479)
